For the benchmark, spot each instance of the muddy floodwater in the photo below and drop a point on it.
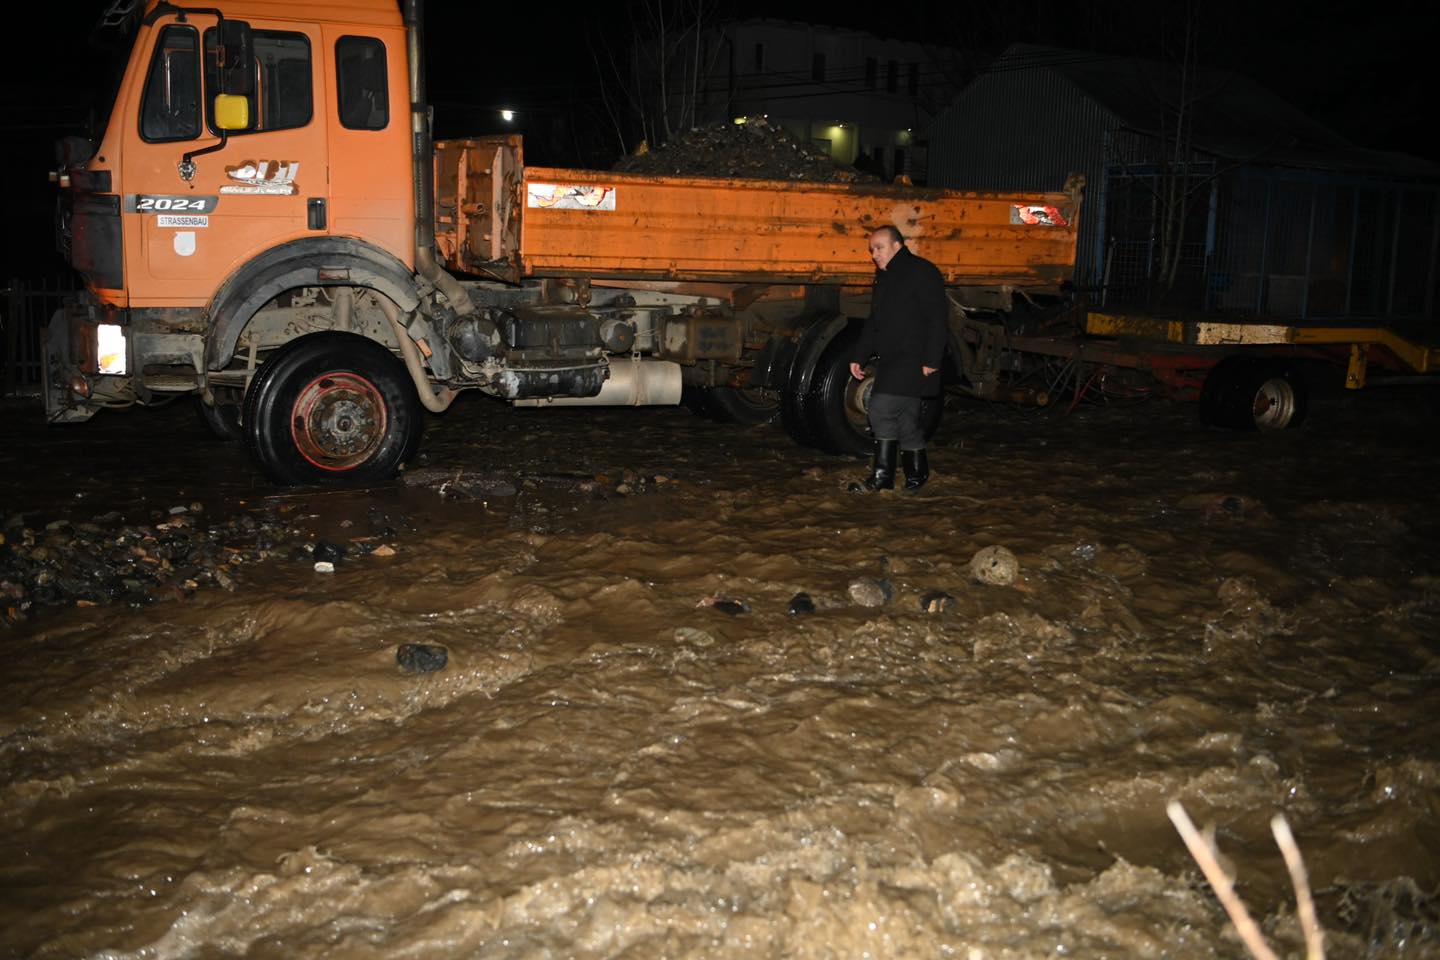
(616, 762)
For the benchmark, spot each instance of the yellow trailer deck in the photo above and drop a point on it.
(1421, 358)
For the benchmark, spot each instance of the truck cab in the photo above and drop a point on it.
(234, 131)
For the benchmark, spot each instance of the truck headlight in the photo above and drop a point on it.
(110, 349)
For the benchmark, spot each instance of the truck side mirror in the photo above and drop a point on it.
(232, 112)
(235, 59)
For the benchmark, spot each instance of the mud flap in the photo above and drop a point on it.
(59, 370)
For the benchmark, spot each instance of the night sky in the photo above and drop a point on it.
(1365, 74)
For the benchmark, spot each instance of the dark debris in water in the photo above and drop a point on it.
(421, 657)
(483, 485)
(800, 605)
(105, 560)
(936, 601)
(726, 605)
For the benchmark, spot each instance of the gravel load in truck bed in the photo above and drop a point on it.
(755, 149)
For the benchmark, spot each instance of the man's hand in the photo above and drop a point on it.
(926, 370)
(857, 371)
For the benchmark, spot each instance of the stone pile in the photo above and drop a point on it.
(104, 560)
(755, 149)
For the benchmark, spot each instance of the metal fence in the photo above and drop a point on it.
(1281, 243)
(25, 307)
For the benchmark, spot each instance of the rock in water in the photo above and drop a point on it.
(325, 550)
(995, 566)
(870, 593)
(936, 601)
(800, 605)
(421, 657)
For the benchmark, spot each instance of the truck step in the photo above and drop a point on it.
(170, 382)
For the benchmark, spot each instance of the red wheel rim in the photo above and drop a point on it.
(338, 421)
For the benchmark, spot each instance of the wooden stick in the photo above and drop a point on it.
(1250, 934)
(1304, 904)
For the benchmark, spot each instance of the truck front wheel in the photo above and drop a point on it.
(1253, 393)
(332, 408)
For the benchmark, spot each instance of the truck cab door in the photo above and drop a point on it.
(201, 200)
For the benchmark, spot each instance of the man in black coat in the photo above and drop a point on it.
(907, 329)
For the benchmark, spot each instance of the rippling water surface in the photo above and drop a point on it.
(608, 766)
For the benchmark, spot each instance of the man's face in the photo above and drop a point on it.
(883, 247)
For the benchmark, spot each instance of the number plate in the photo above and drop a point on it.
(159, 203)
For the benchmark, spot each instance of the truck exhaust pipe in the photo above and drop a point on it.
(422, 169)
(436, 401)
(632, 383)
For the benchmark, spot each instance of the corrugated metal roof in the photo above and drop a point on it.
(1232, 116)
(1024, 130)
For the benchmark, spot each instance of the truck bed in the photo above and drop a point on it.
(599, 224)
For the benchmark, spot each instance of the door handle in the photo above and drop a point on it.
(315, 213)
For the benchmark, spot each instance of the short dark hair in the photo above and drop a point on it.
(892, 231)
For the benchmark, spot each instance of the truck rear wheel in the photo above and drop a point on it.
(1252, 393)
(744, 406)
(837, 407)
(332, 408)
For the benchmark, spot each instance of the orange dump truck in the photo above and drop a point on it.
(265, 223)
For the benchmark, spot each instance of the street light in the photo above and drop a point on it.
(507, 115)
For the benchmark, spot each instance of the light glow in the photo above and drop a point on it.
(110, 348)
(507, 115)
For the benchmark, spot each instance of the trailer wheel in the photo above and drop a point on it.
(839, 405)
(332, 408)
(223, 419)
(1247, 393)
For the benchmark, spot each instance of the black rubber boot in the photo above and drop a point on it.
(917, 468)
(882, 469)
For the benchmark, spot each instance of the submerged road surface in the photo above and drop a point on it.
(634, 750)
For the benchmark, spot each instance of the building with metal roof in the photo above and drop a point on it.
(1206, 191)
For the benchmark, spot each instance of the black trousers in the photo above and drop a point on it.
(893, 417)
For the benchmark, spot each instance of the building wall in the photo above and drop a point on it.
(1018, 128)
(849, 102)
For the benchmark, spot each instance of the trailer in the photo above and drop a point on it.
(1245, 373)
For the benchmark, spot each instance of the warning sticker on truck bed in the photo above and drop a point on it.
(1037, 215)
(569, 196)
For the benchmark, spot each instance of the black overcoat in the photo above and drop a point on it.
(907, 327)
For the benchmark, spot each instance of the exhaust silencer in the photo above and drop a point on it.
(632, 383)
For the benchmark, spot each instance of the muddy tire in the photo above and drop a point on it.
(838, 404)
(1249, 393)
(332, 408)
(795, 418)
(745, 407)
(223, 419)
(695, 399)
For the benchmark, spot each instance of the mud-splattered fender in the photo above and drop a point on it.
(309, 262)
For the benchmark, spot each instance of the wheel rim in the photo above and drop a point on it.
(338, 421)
(857, 401)
(1274, 405)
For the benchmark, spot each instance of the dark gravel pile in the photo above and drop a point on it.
(62, 564)
(755, 149)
